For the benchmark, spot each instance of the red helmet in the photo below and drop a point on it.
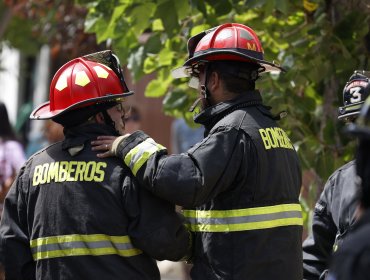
(84, 81)
(229, 41)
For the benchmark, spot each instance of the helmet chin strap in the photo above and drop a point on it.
(108, 121)
(204, 91)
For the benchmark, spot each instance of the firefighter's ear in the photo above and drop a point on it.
(99, 118)
(214, 81)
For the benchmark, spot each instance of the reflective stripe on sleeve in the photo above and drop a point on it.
(82, 245)
(139, 155)
(244, 219)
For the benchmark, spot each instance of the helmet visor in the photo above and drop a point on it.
(194, 82)
(191, 71)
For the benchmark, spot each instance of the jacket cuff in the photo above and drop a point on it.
(136, 149)
(123, 144)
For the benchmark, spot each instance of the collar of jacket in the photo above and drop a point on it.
(214, 113)
(78, 135)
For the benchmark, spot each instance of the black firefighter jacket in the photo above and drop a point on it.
(240, 188)
(80, 217)
(333, 219)
(351, 261)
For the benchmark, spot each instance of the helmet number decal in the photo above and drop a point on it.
(355, 94)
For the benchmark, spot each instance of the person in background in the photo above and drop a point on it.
(352, 259)
(240, 185)
(133, 120)
(52, 132)
(334, 213)
(183, 137)
(12, 158)
(68, 216)
(12, 155)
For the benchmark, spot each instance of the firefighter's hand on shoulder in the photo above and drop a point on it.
(106, 146)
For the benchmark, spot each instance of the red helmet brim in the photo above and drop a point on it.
(44, 112)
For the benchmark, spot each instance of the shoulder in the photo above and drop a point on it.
(348, 169)
(241, 119)
(49, 148)
(341, 182)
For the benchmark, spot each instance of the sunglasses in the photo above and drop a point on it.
(111, 60)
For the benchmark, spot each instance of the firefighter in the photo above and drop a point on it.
(69, 216)
(334, 213)
(351, 261)
(240, 184)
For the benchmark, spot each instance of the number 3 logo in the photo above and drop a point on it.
(356, 94)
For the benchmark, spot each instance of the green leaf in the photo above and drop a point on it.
(99, 28)
(251, 4)
(153, 44)
(109, 30)
(200, 5)
(158, 87)
(157, 25)
(325, 165)
(166, 11)
(135, 62)
(90, 23)
(165, 57)
(182, 8)
(175, 99)
(282, 6)
(198, 29)
(221, 7)
(155, 88)
(139, 16)
(269, 7)
(124, 46)
(329, 131)
(311, 93)
(150, 64)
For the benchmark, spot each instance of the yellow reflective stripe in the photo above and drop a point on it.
(78, 237)
(139, 155)
(83, 252)
(77, 245)
(242, 212)
(244, 219)
(246, 226)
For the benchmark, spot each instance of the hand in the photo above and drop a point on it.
(104, 145)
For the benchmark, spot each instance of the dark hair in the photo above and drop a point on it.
(6, 130)
(238, 77)
(81, 115)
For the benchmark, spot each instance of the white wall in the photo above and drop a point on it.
(41, 91)
(9, 80)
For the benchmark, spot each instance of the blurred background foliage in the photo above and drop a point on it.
(319, 42)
